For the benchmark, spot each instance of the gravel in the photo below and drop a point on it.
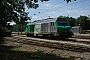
(58, 52)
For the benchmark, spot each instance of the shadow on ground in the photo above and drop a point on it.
(7, 54)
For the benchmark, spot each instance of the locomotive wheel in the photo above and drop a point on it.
(27, 35)
(51, 36)
(36, 35)
(44, 36)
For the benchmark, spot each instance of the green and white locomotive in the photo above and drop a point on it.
(51, 28)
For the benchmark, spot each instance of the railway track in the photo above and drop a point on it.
(64, 45)
(81, 40)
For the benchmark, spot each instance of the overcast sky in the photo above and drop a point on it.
(55, 8)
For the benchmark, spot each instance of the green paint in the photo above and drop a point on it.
(30, 28)
(62, 28)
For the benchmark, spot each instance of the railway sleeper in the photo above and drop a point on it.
(70, 47)
(31, 43)
(25, 42)
(39, 44)
(19, 41)
(45, 45)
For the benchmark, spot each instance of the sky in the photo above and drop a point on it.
(55, 8)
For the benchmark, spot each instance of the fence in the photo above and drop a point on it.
(76, 30)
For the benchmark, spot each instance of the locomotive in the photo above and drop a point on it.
(50, 27)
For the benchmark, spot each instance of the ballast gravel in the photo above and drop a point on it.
(58, 52)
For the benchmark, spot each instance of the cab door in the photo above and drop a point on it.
(52, 27)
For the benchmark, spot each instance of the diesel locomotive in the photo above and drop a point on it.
(51, 28)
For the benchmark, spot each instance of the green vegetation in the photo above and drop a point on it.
(6, 53)
(84, 22)
(15, 28)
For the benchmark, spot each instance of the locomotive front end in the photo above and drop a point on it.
(63, 28)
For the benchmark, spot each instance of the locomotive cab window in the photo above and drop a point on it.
(62, 22)
(52, 23)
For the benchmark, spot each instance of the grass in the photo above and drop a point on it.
(7, 53)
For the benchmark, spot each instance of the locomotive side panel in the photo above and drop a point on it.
(44, 28)
(48, 28)
(37, 29)
(30, 30)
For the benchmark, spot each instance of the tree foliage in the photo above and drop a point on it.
(83, 21)
(68, 0)
(71, 21)
(14, 10)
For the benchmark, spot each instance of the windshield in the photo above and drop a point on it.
(62, 22)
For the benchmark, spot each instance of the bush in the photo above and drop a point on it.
(7, 34)
(4, 33)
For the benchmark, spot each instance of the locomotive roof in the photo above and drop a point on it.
(31, 23)
(46, 20)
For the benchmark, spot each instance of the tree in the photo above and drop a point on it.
(14, 10)
(68, 0)
(82, 20)
(71, 20)
(15, 28)
(62, 16)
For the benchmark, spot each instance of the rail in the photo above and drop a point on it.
(51, 44)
